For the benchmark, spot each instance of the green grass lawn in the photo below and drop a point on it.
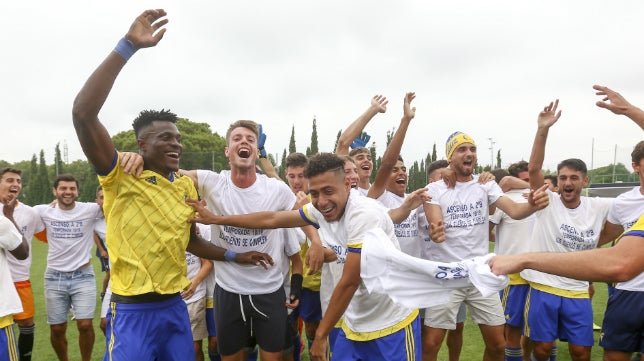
(472, 345)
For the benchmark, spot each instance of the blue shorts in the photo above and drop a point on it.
(623, 327)
(403, 345)
(310, 307)
(210, 321)
(8, 346)
(550, 317)
(513, 302)
(333, 337)
(64, 289)
(149, 331)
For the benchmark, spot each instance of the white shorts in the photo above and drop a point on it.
(484, 310)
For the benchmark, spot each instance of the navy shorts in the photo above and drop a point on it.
(310, 307)
(623, 327)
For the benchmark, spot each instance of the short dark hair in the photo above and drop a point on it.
(437, 164)
(499, 173)
(638, 152)
(65, 178)
(323, 162)
(296, 159)
(99, 188)
(515, 168)
(248, 124)
(400, 158)
(552, 177)
(9, 170)
(146, 117)
(573, 163)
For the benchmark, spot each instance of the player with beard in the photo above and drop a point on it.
(147, 232)
(355, 138)
(559, 307)
(69, 277)
(458, 218)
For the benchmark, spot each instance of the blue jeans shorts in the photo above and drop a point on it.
(66, 289)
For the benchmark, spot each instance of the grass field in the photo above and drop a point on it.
(472, 348)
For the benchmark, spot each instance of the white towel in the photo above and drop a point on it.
(417, 283)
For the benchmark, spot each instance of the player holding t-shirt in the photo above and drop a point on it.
(30, 224)
(559, 307)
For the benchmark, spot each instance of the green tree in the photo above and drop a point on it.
(291, 144)
(41, 190)
(375, 160)
(498, 158)
(313, 149)
(337, 139)
(434, 157)
(59, 165)
(282, 168)
(612, 173)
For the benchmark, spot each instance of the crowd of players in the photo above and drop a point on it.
(241, 266)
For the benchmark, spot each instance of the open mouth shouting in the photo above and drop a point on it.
(244, 152)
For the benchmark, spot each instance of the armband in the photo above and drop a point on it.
(125, 48)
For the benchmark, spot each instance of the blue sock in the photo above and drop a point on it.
(513, 354)
(553, 354)
(252, 356)
(297, 347)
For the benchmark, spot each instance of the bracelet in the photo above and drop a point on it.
(125, 48)
(230, 255)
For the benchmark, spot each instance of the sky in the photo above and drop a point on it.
(482, 67)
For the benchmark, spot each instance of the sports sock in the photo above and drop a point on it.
(553, 354)
(26, 342)
(513, 354)
(214, 356)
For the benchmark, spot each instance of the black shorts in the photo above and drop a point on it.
(261, 318)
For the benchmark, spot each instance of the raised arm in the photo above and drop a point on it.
(378, 105)
(97, 145)
(390, 157)
(616, 103)
(264, 162)
(546, 119)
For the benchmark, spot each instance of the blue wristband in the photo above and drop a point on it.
(230, 255)
(125, 48)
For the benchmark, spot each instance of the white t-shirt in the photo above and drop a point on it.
(29, 222)
(366, 312)
(465, 216)
(100, 228)
(193, 264)
(225, 198)
(407, 230)
(10, 239)
(560, 229)
(627, 209)
(209, 281)
(512, 235)
(70, 234)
